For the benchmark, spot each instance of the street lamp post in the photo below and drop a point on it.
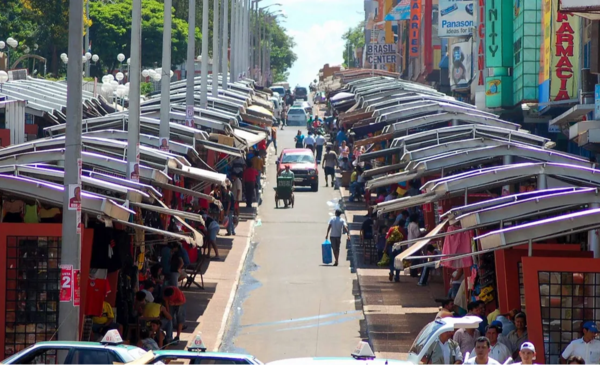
(190, 64)
(120, 58)
(224, 58)
(12, 43)
(165, 84)
(87, 39)
(133, 124)
(215, 64)
(232, 46)
(205, 58)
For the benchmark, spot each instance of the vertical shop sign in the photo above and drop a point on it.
(414, 28)
(481, 43)
(66, 283)
(565, 57)
(498, 33)
(76, 288)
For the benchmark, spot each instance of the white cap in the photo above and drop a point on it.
(363, 350)
(197, 344)
(112, 337)
(527, 346)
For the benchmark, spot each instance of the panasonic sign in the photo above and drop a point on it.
(455, 18)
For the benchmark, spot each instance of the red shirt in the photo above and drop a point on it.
(96, 293)
(262, 145)
(250, 174)
(177, 298)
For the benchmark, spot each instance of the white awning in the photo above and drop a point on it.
(185, 215)
(407, 202)
(573, 114)
(418, 245)
(250, 138)
(161, 232)
(391, 179)
(199, 174)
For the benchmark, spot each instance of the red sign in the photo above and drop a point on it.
(66, 283)
(481, 42)
(414, 27)
(564, 49)
(76, 287)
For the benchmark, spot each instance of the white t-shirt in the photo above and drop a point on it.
(310, 140)
(320, 140)
(337, 225)
(589, 351)
(446, 351)
(500, 352)
(472, 361)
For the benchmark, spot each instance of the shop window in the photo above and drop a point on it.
(522, 287)
(517, 51)
(32, 291)
(567, 300)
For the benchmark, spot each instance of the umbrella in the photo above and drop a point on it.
(342, 95)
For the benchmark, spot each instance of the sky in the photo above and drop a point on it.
(317, 27)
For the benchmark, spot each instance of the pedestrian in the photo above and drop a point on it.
(299, 139)
(413, 232)
(344, 150)
(482, 353)
(250, 175)
(329, 163)
(501, 337)
(175, 300)
(146, 342)
(309, 142)
(456, 280)
(518, 336)
(159, 312)
(430, 251)
(337, 227)
(444, 350)
(157, 334)
(212, 230)
(258, 162)
(586, 347)
(447, 309)
(507, 321)
(320, 142)
(394, 238)
(284, 112)
(498, 351)
(273, 138)
(236, 190)
(341, 137)
(527, 354)
(228, 208)
(481, 313)
(465, 337)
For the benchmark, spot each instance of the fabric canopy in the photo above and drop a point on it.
(341, 96)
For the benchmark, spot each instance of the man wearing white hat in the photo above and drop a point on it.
(587, 347)
(527, 354)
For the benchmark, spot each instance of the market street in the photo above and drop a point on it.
(291, 304)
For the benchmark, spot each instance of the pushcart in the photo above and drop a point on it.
(284, 191)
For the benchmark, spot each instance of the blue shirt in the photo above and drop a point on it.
(341, 136)
(165, 259)
(507, 325)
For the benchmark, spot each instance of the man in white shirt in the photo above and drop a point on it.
(482, 353)
(587, 347)
(320, 142)
(444, 351)
(337, 227)
(465, 337)
(309, 141)
(498, 351)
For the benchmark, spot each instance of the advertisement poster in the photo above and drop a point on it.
(189, 115)
(460, 64)
(74, 197)
(399, 12)
(76, 287)
(414, 28)
(164, 144)
(135, 171)
(456, 18)
(66, 283)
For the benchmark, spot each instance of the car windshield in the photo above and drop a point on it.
(296, 111)
(279, 90)
(423, 338)
(298, 158)
(301, 90)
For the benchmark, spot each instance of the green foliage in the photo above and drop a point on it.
(146, 88)
(111, 33)
(355, 39)
(282, 52)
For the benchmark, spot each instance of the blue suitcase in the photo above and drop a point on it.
(326, 252)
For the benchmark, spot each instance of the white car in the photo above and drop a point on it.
(297, 116)
(364, 355)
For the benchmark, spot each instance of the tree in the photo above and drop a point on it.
(355, 39)
(282, 52)
(51, 19)
(111, 33)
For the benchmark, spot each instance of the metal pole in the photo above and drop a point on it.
(215, 67)
(204, 69)
(232, 49)
(238, 41)
(190, 64)
(224, 59)
(165, 80)
(261, 26)
(247, 40)
(135, 79)
(71, 229)
(87, 38)
(256, 42)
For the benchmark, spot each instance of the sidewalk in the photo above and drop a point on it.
(395, 312)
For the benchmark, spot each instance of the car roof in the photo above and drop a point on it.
(296, 150)
(80, 344)
(184, 353)
(336, 361)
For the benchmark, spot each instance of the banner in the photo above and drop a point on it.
(414, 28)
(460, 64)
(564, 72)
(456, 18)
(66, 283)
(399, 12)
(546, 39)
(499, 33)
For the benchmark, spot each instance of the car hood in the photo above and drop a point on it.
(297, 166)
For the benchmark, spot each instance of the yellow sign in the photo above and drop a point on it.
(546, 45)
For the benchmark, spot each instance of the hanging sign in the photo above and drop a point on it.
(414, 27)
(164, 144)
(189, 115)
(66, 283)
(135, 171)
(76, 287)
(456, 18)
(565, 57)
(74, 197)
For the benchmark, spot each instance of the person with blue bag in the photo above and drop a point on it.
(337, 227)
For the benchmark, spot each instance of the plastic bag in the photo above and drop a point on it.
(385, 260)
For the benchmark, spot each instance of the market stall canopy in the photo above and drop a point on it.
(541, 229)
(177, 236)
(260, 110)
(341, 96)
(406, 125)
(250, 138)
(397, 100)
(414, 109)
(417, 246)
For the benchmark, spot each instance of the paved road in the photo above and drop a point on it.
(289, 304)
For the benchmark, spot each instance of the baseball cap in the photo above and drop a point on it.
(497, 324)
(527, 346)
(590, 326)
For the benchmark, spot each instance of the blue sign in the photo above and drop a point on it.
(399, 12)
(597, 102)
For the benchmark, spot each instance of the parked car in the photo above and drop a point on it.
(297, 116)
(276, 108)
(278, 89)
(198, 357)
(301, 93)
(303, 164)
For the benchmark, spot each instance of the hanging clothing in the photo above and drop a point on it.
(31, 214)
(459, 243)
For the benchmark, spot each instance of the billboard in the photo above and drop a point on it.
(564, 70)
(499, 33)
(414, 28)
(381, 54)
(455, 18)
(461, 64)
(579, 5)
(399, 12)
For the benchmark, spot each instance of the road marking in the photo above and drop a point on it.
(301, 319)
